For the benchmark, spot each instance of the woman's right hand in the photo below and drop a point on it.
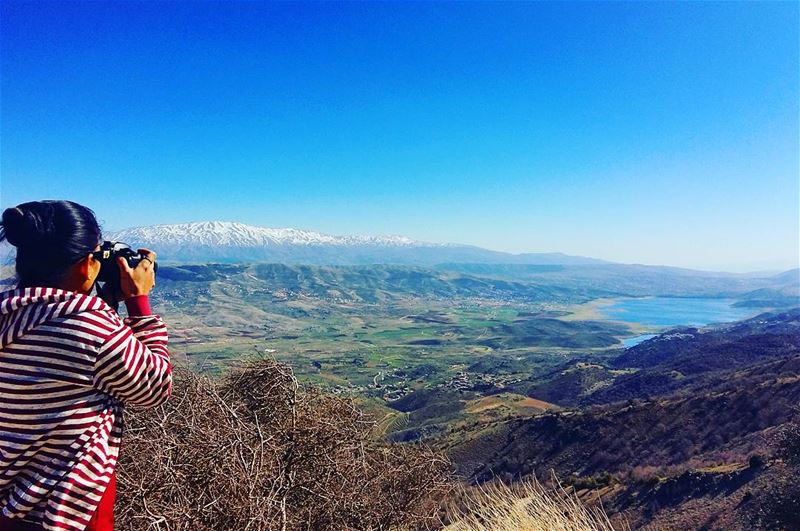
(139, 280)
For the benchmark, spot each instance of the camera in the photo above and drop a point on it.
(109, 268)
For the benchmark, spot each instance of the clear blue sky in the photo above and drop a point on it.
(661, 133)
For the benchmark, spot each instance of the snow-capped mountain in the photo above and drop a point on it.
(229, 242)
(225, 241)
(232, 234)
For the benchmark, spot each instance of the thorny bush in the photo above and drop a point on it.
(256, 451)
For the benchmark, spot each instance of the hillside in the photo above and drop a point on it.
(686, 358)
(663, 432)
(370, 284)
(783, 291)
(736, 342)
(643, 280)
(677, 359)
(673, 430)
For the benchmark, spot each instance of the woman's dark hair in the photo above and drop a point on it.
(49, 236)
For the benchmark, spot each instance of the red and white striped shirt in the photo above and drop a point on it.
(67, 364)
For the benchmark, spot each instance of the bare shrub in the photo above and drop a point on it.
(255, 451)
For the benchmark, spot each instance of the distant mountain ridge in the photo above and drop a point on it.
(231, 242)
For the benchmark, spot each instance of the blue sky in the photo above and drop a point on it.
(661, 133)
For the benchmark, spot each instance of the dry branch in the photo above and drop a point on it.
(256, 451)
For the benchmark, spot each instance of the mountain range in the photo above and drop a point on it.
(230, 242)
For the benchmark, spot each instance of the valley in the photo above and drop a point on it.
(512, 375)
(381, 332)
(652, 388)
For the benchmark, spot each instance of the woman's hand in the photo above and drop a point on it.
(138, 280)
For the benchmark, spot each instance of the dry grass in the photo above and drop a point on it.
(255, 451)
(526, 506)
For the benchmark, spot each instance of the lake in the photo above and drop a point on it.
(635, 340)
(667, 312)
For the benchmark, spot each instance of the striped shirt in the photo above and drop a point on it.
(67, 364)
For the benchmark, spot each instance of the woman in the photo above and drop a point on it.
(68, 363)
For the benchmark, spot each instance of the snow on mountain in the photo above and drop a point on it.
(231, 242)
(232, 234)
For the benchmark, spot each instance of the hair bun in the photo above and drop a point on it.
(23, 227)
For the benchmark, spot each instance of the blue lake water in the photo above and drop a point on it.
(635, 340)
(667, 312)
(675, 311)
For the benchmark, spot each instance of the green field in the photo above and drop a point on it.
(383, 333)
(375, 332)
